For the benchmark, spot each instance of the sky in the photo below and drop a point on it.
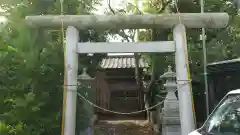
(1, 18)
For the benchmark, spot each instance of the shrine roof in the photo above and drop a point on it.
(224, 66)
(127, 61)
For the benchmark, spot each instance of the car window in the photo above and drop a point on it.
(225, 120)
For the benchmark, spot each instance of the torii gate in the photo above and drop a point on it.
(178, 46)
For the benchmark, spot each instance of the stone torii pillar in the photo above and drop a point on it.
(187, 112)
(72, 37)
(178, 46)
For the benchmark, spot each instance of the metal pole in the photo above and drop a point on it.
(205, 62)
(183, 81)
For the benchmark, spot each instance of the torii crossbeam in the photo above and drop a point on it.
(178, 46)
(190, 20)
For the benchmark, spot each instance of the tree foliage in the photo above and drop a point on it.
(31, 59)
(32, 67)
(221, 44)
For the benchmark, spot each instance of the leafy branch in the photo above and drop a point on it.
(164, 6)
(126, 37)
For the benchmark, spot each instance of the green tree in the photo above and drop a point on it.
(32, 67)
(221, 43)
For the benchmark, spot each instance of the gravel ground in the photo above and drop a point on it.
(123, 127)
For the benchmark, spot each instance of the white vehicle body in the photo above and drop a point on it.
(224, 119)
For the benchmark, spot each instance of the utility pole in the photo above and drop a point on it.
(203, 38)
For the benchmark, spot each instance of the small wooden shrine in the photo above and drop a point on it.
(116, 86)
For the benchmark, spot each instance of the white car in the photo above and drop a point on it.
(225, 118)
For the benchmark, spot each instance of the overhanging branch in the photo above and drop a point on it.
(121, 33)
(164, 6)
